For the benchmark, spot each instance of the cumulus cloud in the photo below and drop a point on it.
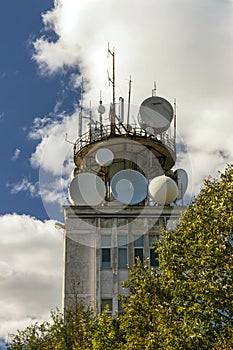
(30, 271)
(187, 47)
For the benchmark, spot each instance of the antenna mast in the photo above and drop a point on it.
(175, 120)
(112, 81)
(154, 89)
(129, 97)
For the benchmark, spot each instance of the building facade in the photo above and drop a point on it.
(100, 246)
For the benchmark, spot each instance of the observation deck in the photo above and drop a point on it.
(125, 140)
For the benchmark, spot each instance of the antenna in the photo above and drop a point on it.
(154, 89)
(129, 97)
(101, 110)
(174, 119)
(129, 186)
(121, 109)
(112, 81)
(80, 124)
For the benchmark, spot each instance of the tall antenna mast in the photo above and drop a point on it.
(80, 124)
(112, 81)
(129, 97)
(174, 120)
(154, 89)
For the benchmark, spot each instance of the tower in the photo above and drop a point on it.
(123, 191)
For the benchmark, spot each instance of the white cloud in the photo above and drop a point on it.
(30, 271)
(25, 185)
(16, 154)
(187, 47)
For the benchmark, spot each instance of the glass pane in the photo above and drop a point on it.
(151, 240)
(139, 241)
(122, 241)
(106, 241)
(120, 306)
(106, 257)
(138, 252)
(122, 258)
(154, 258)
(105, 302)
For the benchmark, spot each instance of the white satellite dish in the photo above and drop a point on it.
(150, 130)
(87, 189)
(104, 157)
(73, 173)
(129, 186)
(182, 182)
(163, 190)
(155, 112)
(101, 109)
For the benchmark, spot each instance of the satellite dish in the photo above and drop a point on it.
(163, 189)
(129, 186)
(182, 182)
(155, 112)
(101, 109)
(73, 173)
(87, 189)
(104, 157)
(150, 130)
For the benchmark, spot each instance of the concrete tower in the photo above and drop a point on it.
(122, 194)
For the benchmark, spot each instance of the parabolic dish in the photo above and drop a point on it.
(129, 186)
(155, 112)
(73, 173)
(182, 182)
(163, 190)
(104, 157)
(87, 189)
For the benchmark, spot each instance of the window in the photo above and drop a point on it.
(120, 310)
(138, 248)
(105, 251)
(122, 252)
(154, 258)
(104, 303)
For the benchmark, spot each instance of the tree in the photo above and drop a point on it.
(75, 332)
(185, 304)
(188, 303)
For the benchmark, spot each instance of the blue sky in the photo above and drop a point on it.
(25, 95)
(46, 46)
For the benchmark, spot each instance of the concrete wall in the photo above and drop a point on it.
(84, 278)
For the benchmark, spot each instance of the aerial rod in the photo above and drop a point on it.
(112, 81)
(154, 89)
(175, 120)
(129, 98)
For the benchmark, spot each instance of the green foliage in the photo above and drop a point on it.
(107, 335)
(74, 333)
(187, 304)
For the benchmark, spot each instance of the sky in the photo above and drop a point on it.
(46, 47)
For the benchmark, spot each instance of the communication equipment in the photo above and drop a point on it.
(101, 108)
(163, 189)
(150, 130)
(86, 189)
(129, 186)
(155, 112)
(73, 173)
(104, 157)
(182, 182)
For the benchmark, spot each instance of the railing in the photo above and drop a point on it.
(104, 132)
